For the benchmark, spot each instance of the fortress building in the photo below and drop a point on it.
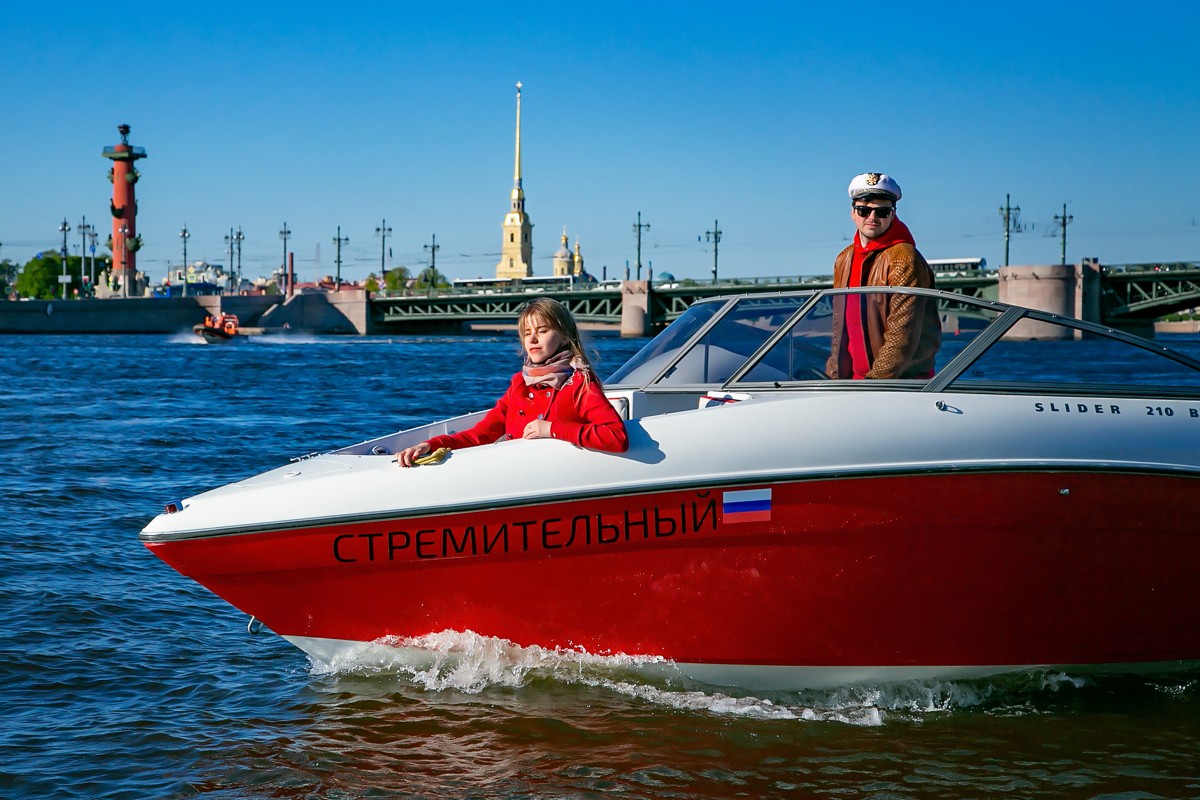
(516, 251)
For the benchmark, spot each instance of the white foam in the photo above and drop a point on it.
(285, 339)
(185, 337)
(468, 662)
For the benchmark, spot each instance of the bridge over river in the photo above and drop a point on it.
(1127, 296)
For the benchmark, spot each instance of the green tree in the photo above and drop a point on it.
(396, 279)
(430, 278)
(8, 277)
(372, 283)
(39, 279)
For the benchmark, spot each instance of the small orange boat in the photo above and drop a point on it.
(217, 328)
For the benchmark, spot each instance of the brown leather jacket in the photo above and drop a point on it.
(904, 332)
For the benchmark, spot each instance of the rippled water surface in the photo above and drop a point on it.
(120, 678)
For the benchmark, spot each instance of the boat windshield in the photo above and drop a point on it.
(959, 343)
(664, 348)
(821, 343)
(695, 350)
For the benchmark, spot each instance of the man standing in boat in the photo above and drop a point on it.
(882, 335)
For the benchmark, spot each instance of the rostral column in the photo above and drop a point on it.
(124, 242)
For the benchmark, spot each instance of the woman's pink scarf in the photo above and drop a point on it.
(554, 371)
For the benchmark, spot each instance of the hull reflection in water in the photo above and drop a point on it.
(768, 528)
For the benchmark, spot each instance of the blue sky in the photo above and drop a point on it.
(756, 115)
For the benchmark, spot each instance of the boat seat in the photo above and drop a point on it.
(621, 404)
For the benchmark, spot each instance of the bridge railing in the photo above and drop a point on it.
(1163, 266)
(602, 286)
(760, 282)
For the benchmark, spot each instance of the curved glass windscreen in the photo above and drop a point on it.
(735, 337)
(868, 334)
(902, 335)
(664, 348)
(1051, 353)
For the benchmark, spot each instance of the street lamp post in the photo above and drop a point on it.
(1012, 223)
(65, 228)
(229, 249)
(339, 240)
(1064, 220)
(92, 251)
(433, 273)
(714, 236)
(284, 233)
(238, 238)
(83, 233)
(383, 231)
(637, 229)
(184, 235)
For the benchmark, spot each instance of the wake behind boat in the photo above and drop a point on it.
(217, 328)
(769, 527)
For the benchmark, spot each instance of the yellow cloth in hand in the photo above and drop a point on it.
(436, 457)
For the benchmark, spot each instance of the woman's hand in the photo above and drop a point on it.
(537, 429)
(406, 457)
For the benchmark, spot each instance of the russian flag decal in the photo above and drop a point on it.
(751, 505)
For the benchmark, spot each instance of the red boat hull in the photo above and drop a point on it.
(972, 568)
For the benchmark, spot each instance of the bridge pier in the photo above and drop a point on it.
(1069, 290)
(635, 309)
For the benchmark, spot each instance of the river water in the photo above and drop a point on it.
(122, 679)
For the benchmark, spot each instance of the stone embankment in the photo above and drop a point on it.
(338, 312)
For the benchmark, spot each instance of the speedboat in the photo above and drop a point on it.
(217, 328)
(1031, 504)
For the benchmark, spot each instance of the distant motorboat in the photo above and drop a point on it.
(1022, 507)
(218, 328)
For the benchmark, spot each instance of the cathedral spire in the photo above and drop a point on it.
(517, 162)
(516, 251)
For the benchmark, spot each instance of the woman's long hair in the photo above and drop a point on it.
(556, 315)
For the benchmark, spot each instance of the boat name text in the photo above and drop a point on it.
(527, 535)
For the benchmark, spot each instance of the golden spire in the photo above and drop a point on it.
(517, 164)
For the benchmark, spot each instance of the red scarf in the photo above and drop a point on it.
(896, 233)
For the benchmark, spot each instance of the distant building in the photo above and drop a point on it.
(577, 262)
(562, 258)
(516, 250)
(202, 278)
(566, 262)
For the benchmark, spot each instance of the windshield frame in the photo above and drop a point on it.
(946, 379)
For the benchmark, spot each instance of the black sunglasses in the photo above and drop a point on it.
(882, 212)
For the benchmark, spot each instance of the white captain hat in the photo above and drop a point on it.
(870, 183)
